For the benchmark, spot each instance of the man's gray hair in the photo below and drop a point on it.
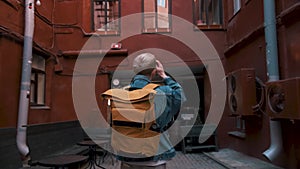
(143, 62)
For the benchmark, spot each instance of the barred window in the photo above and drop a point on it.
(208, 13)
(156, 16)
(106, 16)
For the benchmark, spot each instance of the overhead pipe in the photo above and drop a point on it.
(276, 147)
(21, 137)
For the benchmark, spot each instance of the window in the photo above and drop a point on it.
(38, 79)
(208, 13)
(106, 15)
(156, 16)
(236, 6)
(161, 3)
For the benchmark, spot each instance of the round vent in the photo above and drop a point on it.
(276, 98)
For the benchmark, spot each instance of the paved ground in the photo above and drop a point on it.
(223, 159)
(181, 161)
(240, 161)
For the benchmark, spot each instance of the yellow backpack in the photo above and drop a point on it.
(132, 115)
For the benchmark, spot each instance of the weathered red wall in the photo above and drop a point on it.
(65, 38)
(246, 48)
(12, 28)
(10, 67)
(10, 80)
(65, 26)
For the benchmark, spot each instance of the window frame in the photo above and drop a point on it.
(161, 3)
(35, 94)
(106, 31)
(197, 15)
(156, 29)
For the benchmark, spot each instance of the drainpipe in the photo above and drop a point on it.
(25, 81)
(275, 148)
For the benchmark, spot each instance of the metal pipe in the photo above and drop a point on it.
(25, 80)
(271, 40)
(276, 147)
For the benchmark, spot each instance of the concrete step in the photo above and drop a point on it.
(237, 160)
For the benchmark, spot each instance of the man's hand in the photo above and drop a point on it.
(160, 70)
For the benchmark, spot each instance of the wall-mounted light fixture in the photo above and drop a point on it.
(38, 3)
